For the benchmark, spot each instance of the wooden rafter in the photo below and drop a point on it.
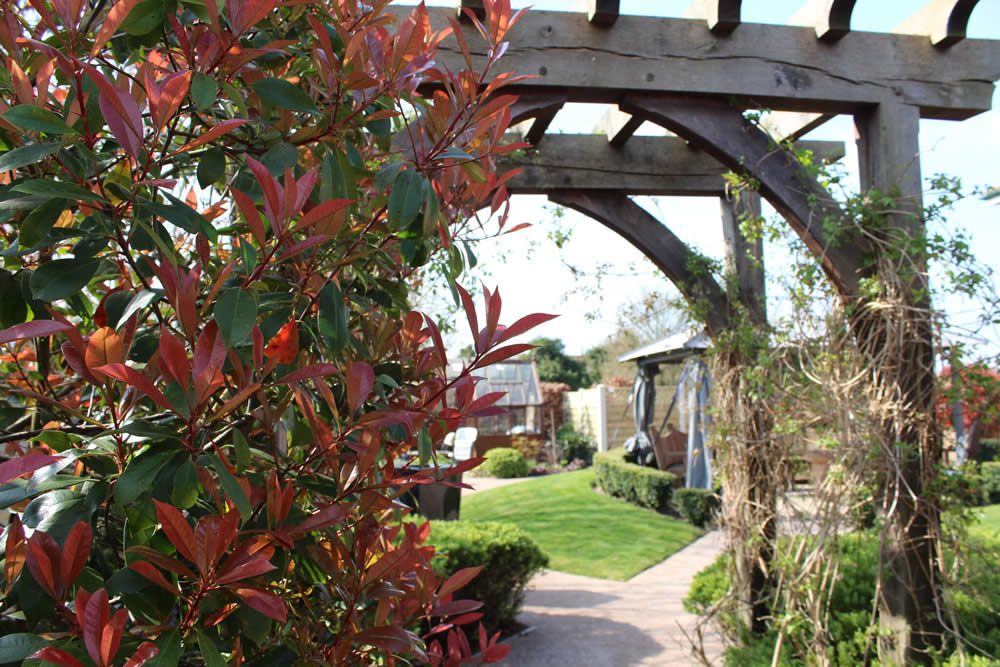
(722, 132)
(944, 21)
(775, 67)
(792, 125)
(655, 241)
(655, 166)
(830, 18)
(602, 13)
(722, 16)
(618, 126)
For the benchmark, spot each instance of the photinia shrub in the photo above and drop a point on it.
(209, 215)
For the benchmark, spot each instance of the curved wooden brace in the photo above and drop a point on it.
(945, 21)
(722, 132)
(539, 109)
(623, 216)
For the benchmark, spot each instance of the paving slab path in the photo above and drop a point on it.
(586, 622)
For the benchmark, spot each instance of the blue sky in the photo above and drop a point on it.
(531, 277)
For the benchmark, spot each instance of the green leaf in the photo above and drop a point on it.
(138, 302)
(22, 489)
(31, 117)
(406, 198)
(182, 215)
(186, 488)
(56, 512)
(204, 90)
(236, 313)
(170, 651)
(242, 448)
(36, 225)
(61, 278)
(232, 488)
(278, 157)
(144, 18)
(431, 212)
(332, 318)
(424, 446)
(212, 167)
(25, 155)
(16, 647)
(209, 652)
(46, 188)
(283, 94)
(13, 307)
(139, 475)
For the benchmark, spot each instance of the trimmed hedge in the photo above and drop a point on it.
(639, 485)
(989, 472)
(697, 506)
(505, 462)
(509, 558)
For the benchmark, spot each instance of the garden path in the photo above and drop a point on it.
(487, 483)
(586, 622)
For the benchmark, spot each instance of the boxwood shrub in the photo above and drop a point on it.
(505, 462)
(640, 485)
(990, 475)
(697, 506)
(509, 558)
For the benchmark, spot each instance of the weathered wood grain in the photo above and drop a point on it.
(757, 66)
(665, 166)
(655, 240)
(722, 132)
(944, 21)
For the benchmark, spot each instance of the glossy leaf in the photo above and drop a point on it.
(61, 278)
(332, 319)
(281, 93)
(22, 157)
(36, 119)
(236, 313)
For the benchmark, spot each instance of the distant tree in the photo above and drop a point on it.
(554, 365)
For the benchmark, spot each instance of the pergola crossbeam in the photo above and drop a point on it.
(757, 66)
(654, 166)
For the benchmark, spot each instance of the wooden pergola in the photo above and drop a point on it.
(696, 77)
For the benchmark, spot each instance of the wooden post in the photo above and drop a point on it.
(898, 345)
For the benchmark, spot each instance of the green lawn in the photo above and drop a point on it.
(989, 523)
(582, 531)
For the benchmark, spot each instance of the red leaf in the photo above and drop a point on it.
(147, 570)
(456, 608)
(252, 216)
(120, 111)
(266, 603)
(308, 373)
(176, 528)
(360, 382)
(524, 324)
(502, 353)
(111, 23)
(43, 563)
(225, 127)
(166, 562)
(23, 465)
(459, 579)
(321, 212)
(136, 379)
(56, 656)
(387, 637)
(470, 314)
(146, 652)
(75, 552)
(96, 616)
(273, 200)
(174, 359)
(251, 568)
(284, 346)
(33, 329)
(324, 518)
